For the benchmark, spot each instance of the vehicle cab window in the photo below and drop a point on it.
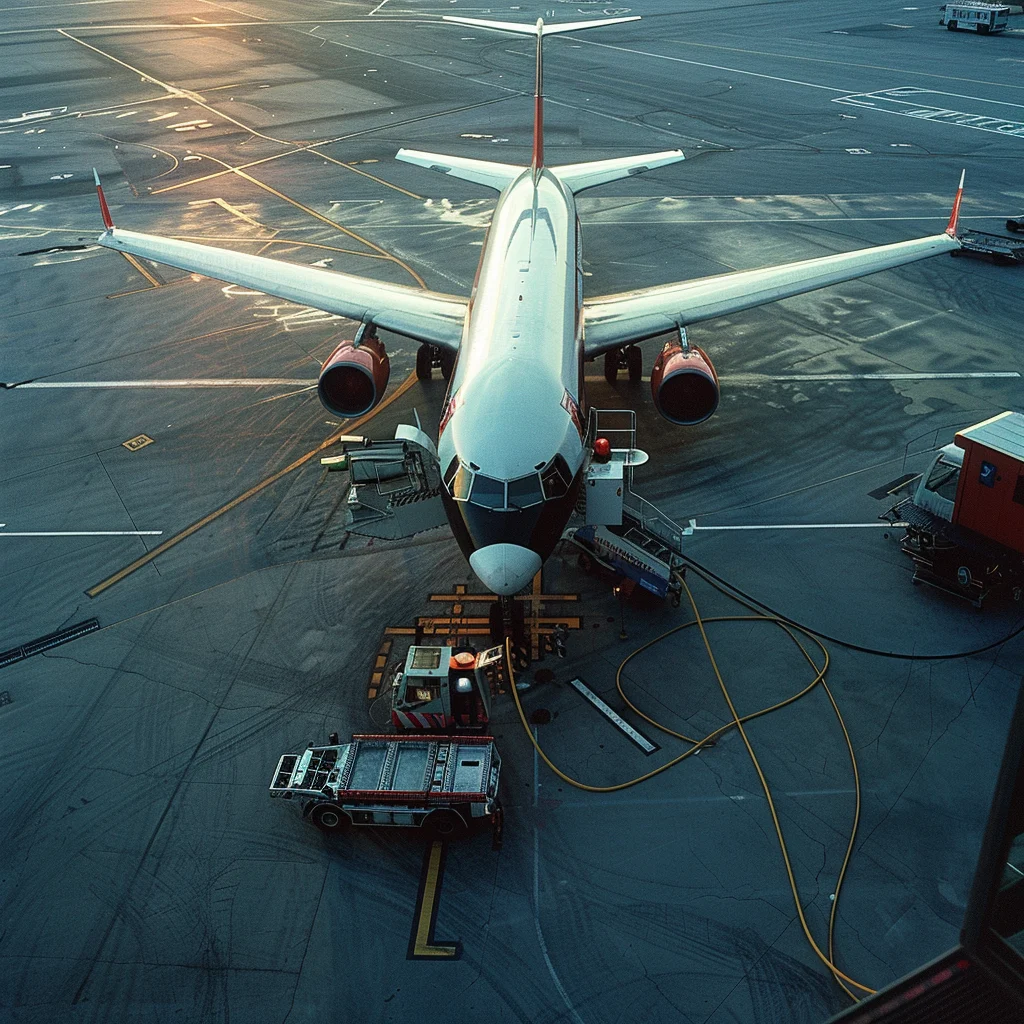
(943, 479)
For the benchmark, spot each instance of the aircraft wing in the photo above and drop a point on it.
(413, 312)
(614, 320)
(611, 321)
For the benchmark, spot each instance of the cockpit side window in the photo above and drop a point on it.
(556, 478)
(458, 479)
(488, 492)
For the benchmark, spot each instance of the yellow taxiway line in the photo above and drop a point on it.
(422, 945)
(166, 545)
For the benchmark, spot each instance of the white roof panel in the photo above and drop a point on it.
(1003, 433)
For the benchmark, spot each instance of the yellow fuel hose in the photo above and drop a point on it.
(738, 723)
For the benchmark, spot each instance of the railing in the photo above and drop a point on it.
(653, 521)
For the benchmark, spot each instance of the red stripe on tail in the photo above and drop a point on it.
(954, 217)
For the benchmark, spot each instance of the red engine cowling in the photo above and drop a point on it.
(354, 377)
(684, 384)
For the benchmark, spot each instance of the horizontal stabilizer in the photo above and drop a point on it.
(577, 177)
(483, 172)
(537, 28)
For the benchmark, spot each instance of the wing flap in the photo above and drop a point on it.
(614, 320)
(482, 172)
(586, 175)
(412, 312)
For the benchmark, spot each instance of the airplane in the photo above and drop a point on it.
(512, 439)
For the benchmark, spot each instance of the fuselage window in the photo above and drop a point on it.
(458, 479)
(525, 491)
(556, 478)
(488, 492)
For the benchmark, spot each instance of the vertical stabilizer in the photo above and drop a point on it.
(540, 30)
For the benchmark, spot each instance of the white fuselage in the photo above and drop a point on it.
(515, 400)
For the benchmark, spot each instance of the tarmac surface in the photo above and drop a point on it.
(144, 874)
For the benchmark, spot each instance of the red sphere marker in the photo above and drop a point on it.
(602, 449)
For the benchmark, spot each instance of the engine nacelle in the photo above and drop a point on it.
(684, 384)
(354, 376)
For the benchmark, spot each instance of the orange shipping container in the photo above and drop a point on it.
(990, 493)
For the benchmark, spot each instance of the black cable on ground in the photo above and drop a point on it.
(715, 580)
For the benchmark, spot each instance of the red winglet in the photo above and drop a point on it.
(108, 221)
(954, 217)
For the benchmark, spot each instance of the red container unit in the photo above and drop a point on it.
(990, 493)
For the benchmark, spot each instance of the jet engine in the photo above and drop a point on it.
(355, 375)
(684, 384)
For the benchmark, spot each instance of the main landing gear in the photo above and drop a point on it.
(629, 358)
(429, 356)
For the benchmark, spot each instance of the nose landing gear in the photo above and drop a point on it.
(508, 619)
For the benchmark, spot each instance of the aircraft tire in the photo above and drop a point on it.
(636, 364)
(447, 363)
(424, 362)
(611, 366)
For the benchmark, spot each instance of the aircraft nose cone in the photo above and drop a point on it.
(505, 568)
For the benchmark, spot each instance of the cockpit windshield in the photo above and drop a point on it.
(487, 492)
(465, 484)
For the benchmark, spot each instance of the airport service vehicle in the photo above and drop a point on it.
(965, 521)
(980, 18)
(511, 441)
(438, 783)
(1000, 249)
(633, 555)
(443, 689)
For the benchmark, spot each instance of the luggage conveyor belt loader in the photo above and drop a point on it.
(965, 521)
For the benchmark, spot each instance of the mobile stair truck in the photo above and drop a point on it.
(623, 532)
(965, 521)
(443, 784)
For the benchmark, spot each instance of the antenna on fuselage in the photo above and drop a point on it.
(540, 30)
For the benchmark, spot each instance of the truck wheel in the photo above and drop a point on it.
(329, 818)
(424, 362)
(951, 25)
(611, 366)
(444, 824)
(635, 361)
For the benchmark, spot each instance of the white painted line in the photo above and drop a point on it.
(807, 526)
(641, 741)
(714, 67)
(213, 382)
(84, 533)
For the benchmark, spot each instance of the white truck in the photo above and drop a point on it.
(443, 784)
(980, 18)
